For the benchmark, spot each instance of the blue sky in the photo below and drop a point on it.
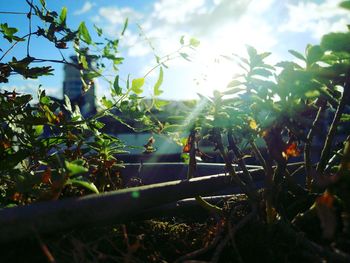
(222, 26)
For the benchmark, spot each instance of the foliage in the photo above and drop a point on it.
(48, 149)
(272, 112)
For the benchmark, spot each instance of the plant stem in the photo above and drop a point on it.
(208, 206)
(192, 162)
(14, 13)
(247, 178)
(191, 170)
(307, 150)
(267, 167)
(333, 128)
(29, 15)
(219, 146)
(270, 212)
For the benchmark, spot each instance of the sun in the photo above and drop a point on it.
(216, 52)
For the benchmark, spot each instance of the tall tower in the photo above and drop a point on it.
(73, 88)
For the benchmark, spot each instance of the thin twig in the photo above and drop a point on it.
(307, 150)
(29, 15)
(216, 257)
(14, 13)
(247, 178)
(203, 250)
(267, 167)
(56, 61)
(332, 130)
(45, 249)
(191, 141)
(14, 44)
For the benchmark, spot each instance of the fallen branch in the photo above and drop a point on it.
(112, 207)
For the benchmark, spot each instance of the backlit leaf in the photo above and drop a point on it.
(84, 33)
(338, 42)
(172, 128)
(136, 85)
(156, 90)
(345, 117)
(106, 102)
(38, 130)
(313, 53)
(234, 83)
(125, 26)
(63, 16)
(185, 56)
(182, 41)
(116, 87)
(252, 124)
(194, 42)
(345, 4)
(76, 167)
(81, 182)
(297, 54)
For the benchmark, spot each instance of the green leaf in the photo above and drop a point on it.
(194, 42)
(98, 30)
(116, 87)
(182, 40)
(160, 103)
(345, 4)
(136, 85)
(125, 26)
(81, 182)
(264, 55)
(173, 128)
(45, 100)
(84, 33)
(234, 90)
(107, 103)
(91, 75)
(345, 117)
(176, 119)
(234, 83)
(9, 32)
(297, 54)
(313, 54)
(83, 61)
(98, 125)
(338, 42)
(75, 167)
(156, 89)
(67, 104)
(63, 16)
(185, 56)
(251, 52)
(38, 130)
(261, 72)
(312, 94)
(43, 3)
(288, 65)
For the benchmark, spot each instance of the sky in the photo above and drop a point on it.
(223, 28)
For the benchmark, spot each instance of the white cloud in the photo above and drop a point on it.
(223, 27)
(85, 8)
(318, 19)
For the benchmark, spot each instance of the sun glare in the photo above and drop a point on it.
(217, 69)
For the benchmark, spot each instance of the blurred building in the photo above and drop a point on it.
(72, 87)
